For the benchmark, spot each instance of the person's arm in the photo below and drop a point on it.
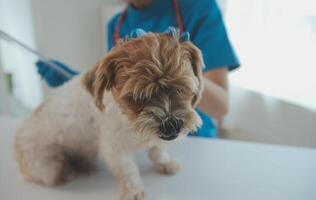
(214, 100)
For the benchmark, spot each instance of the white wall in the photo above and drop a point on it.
(276, 43)
(71, 30)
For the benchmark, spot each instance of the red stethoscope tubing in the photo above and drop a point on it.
(117, 37)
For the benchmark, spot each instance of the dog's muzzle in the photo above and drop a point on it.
(170, 128)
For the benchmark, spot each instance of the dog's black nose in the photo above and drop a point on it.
(170, 128)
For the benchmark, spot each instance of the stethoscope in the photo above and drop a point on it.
(123, 16)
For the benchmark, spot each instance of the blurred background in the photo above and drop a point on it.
(273, 95)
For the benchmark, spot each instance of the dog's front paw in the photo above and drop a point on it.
(170, 168)
(129, 192)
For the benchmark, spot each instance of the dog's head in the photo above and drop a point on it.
(156, 80)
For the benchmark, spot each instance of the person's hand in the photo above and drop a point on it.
(53, 77)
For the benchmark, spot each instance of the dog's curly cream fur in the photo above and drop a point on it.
(113, 110)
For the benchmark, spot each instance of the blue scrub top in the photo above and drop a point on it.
(202, 19)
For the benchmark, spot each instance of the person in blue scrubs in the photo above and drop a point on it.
(203, 20)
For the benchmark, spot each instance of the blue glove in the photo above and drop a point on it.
(53, 77)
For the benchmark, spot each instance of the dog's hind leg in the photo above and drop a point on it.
(162, 161)
(50, 165)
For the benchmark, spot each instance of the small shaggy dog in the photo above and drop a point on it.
(141, 95)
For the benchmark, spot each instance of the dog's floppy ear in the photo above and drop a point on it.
(100, 78)
(197, 63)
